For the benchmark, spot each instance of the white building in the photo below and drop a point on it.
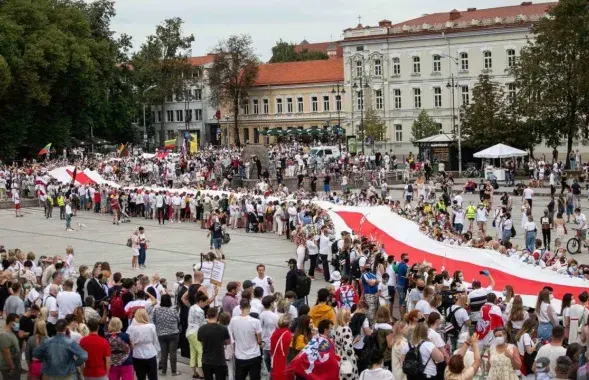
(192, 113)
(411, 65)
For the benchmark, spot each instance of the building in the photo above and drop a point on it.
(431, 62)
(333, 49)
(288, 95)
(191, 113)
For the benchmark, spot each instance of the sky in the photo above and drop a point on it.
(268, 21)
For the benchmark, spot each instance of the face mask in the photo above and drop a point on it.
(420, 288)
(505, 293)
(421, 320)
(16, 327)
(406, 260)
(499, 340)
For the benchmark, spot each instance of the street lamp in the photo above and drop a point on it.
(227, 130)
(338, 106)
(145, 141)
(361, 89)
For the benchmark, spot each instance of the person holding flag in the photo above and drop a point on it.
(491, 319)
(318, 360)
(45, 151)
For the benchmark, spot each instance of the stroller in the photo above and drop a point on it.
(253, 225)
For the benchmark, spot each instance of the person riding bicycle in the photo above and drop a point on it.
(581, 220)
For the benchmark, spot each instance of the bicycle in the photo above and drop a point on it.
(471, 172)
(574, 243)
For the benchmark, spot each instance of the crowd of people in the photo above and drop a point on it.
(377, 315)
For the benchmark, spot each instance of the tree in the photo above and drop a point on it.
(489, 118)
(234, 72)
(551, 75)
(58, 67)
(424, 126)
(374, 127)
(287, 52)
(161, 68)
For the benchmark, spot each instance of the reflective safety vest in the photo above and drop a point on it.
(471, 212)
(60, 201)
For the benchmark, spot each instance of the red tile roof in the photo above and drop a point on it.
(529, 9)
(199, 61)
(306, 72)
(320, 46)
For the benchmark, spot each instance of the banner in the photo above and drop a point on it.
(352, 144)
(193, 143)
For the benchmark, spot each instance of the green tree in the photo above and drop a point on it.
(233, 73)
(424, 126)
(287, 52)
(161, 67)
(374, 127)
(551, 75)
(58, 66)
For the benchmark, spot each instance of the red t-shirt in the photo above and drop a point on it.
(98, 350)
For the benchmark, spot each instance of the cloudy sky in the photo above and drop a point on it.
(269, 20)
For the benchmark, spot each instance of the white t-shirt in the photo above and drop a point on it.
(51, 305)
(360, 343)
(263, 283)
(528, 193)
(461, 316)
(255, 306)
(392, 275)
(376, 374)
(425, 350)
(269, 322)
(523, 342)
(324, 245)
(551, 352)
(67, 302)
(424, 307)
(582, 220)
(435, 338)
(481, 215)
(244, 330)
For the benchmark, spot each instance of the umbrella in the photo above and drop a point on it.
(275, 132)
(314, 131)
(265, 132)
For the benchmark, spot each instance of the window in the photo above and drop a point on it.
(256, 136)
(416, 65)
(510, 93)
(359, 48)
(397, 98)
(488, 61)
(437, 97)
(417, 97)
(188, 115)
(152, 115)
(300, 104)
(169, 116)
(256, 106)
(170, 98)
(437, 64)
(246, 134)
(198, 114)
(464, 61)
(359, 101)
(398, 132)
(278, 105)
(265, 106)
(359, 68)
(338, 102)
(377, 68)
(465, 95)
(378, 99)
(198, 94)
(289, 107)
(314, 106)
(396, 66)
(159, 116)
(510, 57)
(246, 107)
(325, 103)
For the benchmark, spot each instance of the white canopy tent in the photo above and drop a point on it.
(500, 151)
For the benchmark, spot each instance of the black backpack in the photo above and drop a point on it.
(412, 366)
(355, 270)
(303, 287)
(410, 189)
(334, 248)
(453, 328)
(370, 345)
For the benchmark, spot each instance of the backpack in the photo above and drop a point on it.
(409, 189)
(355, 270)
(334, 248)
(370, 345)
(120, 350)
(117, 307)
(303, 287)
(412, 366)
(453, 328)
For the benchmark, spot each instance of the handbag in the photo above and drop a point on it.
(346, 367)
(512, 231)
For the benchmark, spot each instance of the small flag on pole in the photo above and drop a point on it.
(170, 144)
(123, 151)
(45, 150)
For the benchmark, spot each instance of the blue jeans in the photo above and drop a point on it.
(68, 221)
(530, 240)
(544, 330)
(141, 259)
(402, 294)
(505, 236)
(268, 360)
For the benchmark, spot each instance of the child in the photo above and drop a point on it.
(383, 290)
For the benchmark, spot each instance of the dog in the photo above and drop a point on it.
(81, 225)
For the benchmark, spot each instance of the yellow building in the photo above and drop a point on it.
(289, 95)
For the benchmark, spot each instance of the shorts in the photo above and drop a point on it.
(402, 294)
(135, 251)
(570, 209)
(217, 243)
(391, 293)
(408, 198)
(17, 206)
(583, 234)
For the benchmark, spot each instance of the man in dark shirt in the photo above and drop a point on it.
(291, 276)
(27, 322)
(214, 337)
(216, 232)
(576, 193)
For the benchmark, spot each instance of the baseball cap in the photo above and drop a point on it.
(542, 364)
(291, 261)
(247, 284)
